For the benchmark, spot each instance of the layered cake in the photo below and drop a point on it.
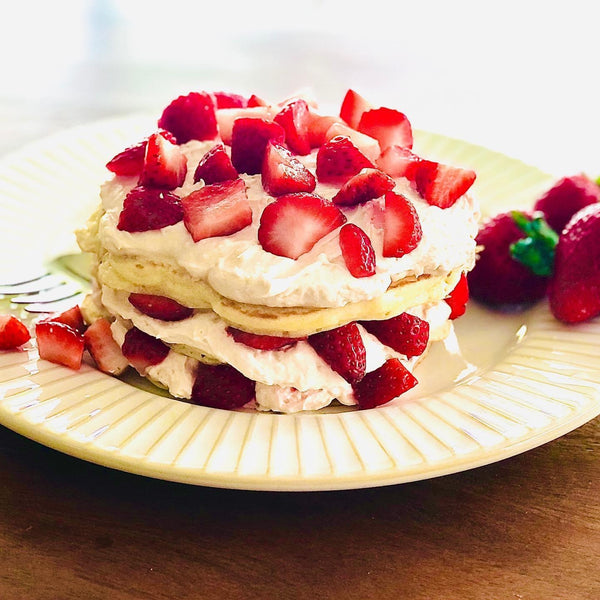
(270, 256)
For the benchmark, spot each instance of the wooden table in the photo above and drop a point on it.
(527, 527)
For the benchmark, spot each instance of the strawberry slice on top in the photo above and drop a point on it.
(145, 209)
(230, 100)
(388, 126)
(353, 107)
(283, 173)
(398, 161)
(339, 159)
(402, 230)
(366, 185)
(442, 185)
(217, 209)
(357, 251)
(215, 166)
(190, 117)
(291, 225)
(295, 120)
(249, 138)
(165, 165)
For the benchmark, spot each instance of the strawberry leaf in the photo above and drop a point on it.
(536, 250)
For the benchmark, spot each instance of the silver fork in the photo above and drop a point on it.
(60, 286)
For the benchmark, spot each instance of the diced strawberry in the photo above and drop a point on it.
(388, 126)
(226, 117)
(221, 386)
(160, 307)
(145, 209)
(291, 225)
(295, 119)
(283, 173)
(383, 384)
(318, 126)
(357, 251)
(343, 350)
(401, 226)
(230, 100)
(442, 185)
(130, 161)
(13, 332)
(190, 117)
(353, 106)
(165, 165)
(338, 159)
(397, 161)
(215, 166)
(364, 186)
(367, 145)
(249, 138)
(105, 351)
(255, 100)
(405, 333)
(71, 317)
(457, 299)
(60, 344)
(143, 350)
(217, 209)
(261, 342)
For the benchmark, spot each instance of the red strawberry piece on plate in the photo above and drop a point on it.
(71, 317)
(565, 198)
(364, 186)
(397, 161)
(160, 307)
(357, 251)
(343, 350)
(291, 225)
(261, 342)
(401, 226)
(217, 209)
(283, 173)
(60, 344)
(104, 349)
(190, 117)
(221, 386)
(574, 291)
(388, 126)
(405, 333)
(215, 166)
(498, 278)
(230, 100)
(165, 165)
(143, 350)
(353, 107)
(295, 120)
(145, 209)
(442, 185)
(457, 299)
(13, 332)
(249, 138)
(338, 159)
(383, 384)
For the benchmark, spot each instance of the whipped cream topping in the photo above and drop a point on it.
(238, 268)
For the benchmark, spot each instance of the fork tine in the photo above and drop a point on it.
(57, 306)
(45, 282)
(63, 290)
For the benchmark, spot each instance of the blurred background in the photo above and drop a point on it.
(517, 77)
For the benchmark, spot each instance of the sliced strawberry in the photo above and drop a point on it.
(339, 159)
(261, 342)
(294, 223)
(442, 185)
(401, 226)
(255, 100)
(160, 307)
(221, 386)
(383, 384)
(388, 126)
(226, 117)
(59, 344)
(215, 166)
(357, 251)
(230, 100)
(143, 350)
(249, 138)
(71, 317)
(283, 173)
(364, 186)
(217, 209)
(13, 333)
(165, 165)
(318, 126)
(397, 161)
(105, 351)
(130, 161)
(405, 333)
(457, 299)
(190, 117)
(353, 106)
(343, 350)
(295, 119)
(367, 145)
(145, 209)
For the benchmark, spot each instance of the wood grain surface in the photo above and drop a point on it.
(525, 528)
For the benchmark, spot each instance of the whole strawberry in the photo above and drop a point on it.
(574, 291)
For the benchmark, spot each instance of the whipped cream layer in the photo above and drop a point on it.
(238, 268)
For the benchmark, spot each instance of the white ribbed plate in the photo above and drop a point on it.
(523, 380)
